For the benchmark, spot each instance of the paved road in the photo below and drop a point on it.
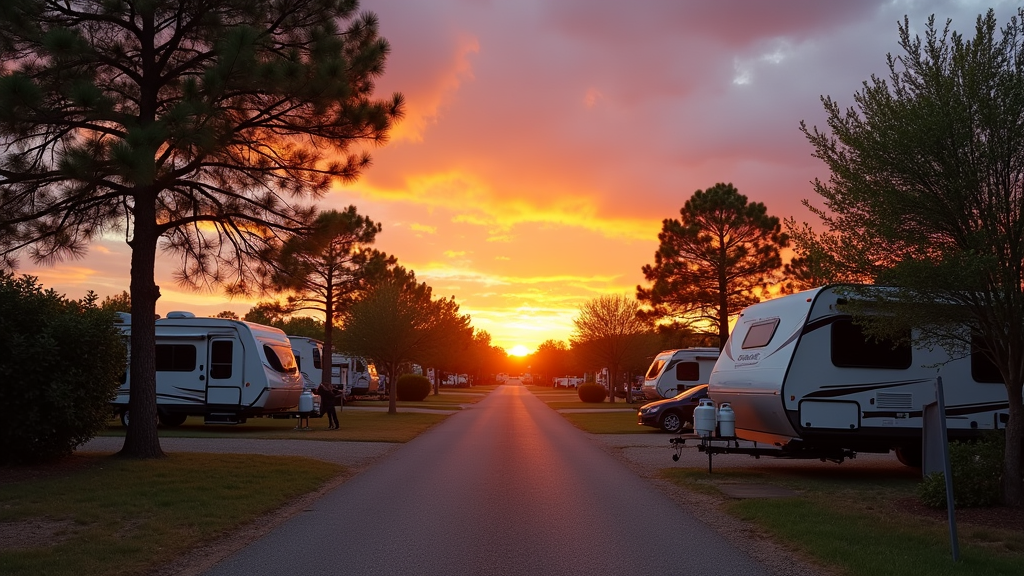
(507, 487)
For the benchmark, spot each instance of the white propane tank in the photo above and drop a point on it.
(704, 418)
(305, 402)
(726, 421)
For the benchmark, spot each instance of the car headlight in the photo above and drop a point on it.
(653, 409)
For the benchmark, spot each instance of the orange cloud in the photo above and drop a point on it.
(423, 108)
(474, 201)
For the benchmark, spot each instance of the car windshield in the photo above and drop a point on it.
(695, 391)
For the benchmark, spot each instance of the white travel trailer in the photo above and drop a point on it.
(309, 358)
(356, 374)
(674, 371)
(800, 375)
(224, 370)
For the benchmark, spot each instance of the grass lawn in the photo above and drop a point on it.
(608, 422)
(864, 522)
(93, 515)
(356, 426)
(617, 417)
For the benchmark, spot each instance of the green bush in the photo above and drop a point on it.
(60, 363)
(977, 470)
(412, 387)
(592, 393)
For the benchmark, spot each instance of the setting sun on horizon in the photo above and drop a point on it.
(531, 174)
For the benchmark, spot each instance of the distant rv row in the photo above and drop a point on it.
(801, 376)
(228, 370)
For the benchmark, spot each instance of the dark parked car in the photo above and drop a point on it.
(673, 415)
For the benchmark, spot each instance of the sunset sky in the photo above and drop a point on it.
(545, 141)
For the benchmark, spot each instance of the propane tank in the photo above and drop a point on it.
(306, 402)
(704, 418)
(726, 421)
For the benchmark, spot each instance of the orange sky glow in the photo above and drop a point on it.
(544, 142)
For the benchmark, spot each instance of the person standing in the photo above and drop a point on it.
(327, 404)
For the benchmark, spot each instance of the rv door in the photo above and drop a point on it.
(224, 385)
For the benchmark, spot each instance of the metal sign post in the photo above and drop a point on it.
(935, 454)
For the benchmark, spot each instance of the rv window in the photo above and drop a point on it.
(655, 369)
(280, 358)
(316, 358)
(760, 334)
(982, 369)
(175, 357)
(359, 366)
(851, 348)
(688, 371)
(220, 359)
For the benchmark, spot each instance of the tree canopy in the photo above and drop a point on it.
(399, 322)
(326, 269)
(925, 194)
(198, 127)
(714, 261)
(609, 332)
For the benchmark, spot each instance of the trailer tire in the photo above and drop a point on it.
(125, 418)
(672, 422)
(172, 420)
(909, 456)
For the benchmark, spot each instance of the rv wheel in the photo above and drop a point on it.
(672, 423)
(125, 418)
(173, 420)
(909, 456)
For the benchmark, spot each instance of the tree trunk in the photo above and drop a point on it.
(141, 439)
(1013, 474)
(328, 361)
(392, 392)
(611, 386)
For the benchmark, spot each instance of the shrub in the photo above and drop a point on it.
(592, 392)
(60, 363)
(977, 470)
(412, 387)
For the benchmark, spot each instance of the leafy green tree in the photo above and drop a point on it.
(195, 126)
(483, 356)
(281, 316)
(60, 363)
(926, 193)
(550, 360)
(399, 322)
(804, 273)
(267, 313)
(679, 335)
(325, 269)
(715, 260)
(609, 332)
(303, 326)
(120, 303)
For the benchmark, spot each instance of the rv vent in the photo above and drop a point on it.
(180, 314)
(891, 401)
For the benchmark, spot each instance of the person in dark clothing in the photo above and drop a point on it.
(327, 404)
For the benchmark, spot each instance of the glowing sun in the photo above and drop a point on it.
(518, 350)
